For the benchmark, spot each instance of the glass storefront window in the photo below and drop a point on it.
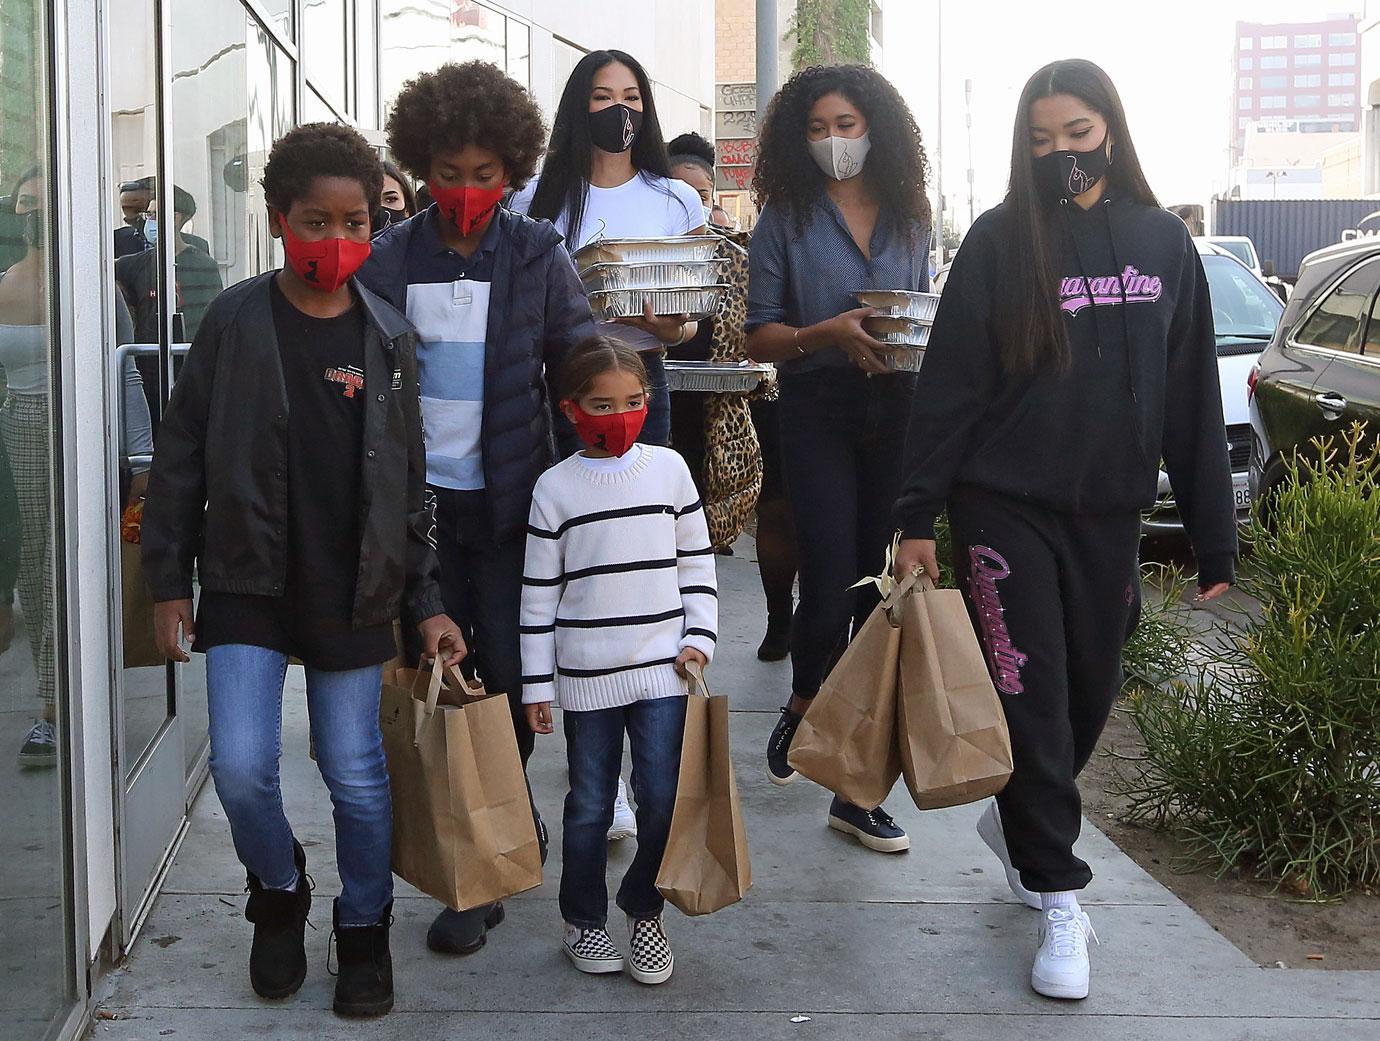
(323, 45)
(36, 982)
(417, 38)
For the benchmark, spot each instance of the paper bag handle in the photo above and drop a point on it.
(697, 685)
(439, 672)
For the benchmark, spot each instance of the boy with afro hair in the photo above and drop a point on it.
(497, 305)
(289, 478)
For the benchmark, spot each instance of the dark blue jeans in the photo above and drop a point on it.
(842, 435)
(657, 429)
(594, 751)
(244, 689)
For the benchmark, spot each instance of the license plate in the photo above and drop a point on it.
(1241, 490)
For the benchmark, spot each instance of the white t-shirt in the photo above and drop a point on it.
(646, 207)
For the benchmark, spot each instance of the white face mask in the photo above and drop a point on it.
(841, 157)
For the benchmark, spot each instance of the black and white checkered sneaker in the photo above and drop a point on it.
(592, 950)
(649, 952)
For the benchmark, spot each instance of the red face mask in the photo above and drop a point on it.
(467, 208)
(614, 432)
(326, 264)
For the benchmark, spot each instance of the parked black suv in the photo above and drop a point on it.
(1321, 371)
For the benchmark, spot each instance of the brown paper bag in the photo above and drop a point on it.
(462, 821)
(847, 740)
(706, 865)
(951, 727)
(141, 650)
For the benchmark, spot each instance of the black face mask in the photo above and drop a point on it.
(1065, 175)
(383, 217)
(33, 228)
(614, 129)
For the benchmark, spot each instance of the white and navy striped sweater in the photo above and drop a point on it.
(619, 580)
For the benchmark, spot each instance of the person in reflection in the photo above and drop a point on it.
(398, 201)
(198, 282)
(135, 197)
(497, 305)
(25, 428)
(289, 478)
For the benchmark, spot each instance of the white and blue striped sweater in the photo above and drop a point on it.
(619, 580)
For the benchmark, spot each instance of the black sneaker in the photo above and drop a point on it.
(873, 828)
(776, 644)
(40, 747)
(779, 746)
(463, 932)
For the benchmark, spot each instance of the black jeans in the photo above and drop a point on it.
(481, 586)
(657, 429)
(1053, 597)
(841, 439)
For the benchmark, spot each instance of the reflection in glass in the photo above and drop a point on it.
(520, 52)
(35, 977)
(323, 45)
(420, 35)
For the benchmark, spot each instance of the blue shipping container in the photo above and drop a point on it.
(1287, 230)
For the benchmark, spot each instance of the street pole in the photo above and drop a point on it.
(939, 128)
(968, 119)
(768, 48)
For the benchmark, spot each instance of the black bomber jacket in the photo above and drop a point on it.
(218, 494)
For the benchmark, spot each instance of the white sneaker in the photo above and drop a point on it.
(1061, 964)
(649, 951)
(624, 820)
(990, 831)
(592, 950)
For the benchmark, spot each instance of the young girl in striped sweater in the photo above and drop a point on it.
(618, 598)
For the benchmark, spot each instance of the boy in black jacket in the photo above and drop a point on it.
(289, 474)
(497, 306)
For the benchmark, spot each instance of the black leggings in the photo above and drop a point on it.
(841, 435)
(1053, 597)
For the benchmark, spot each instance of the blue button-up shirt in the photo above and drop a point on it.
(800, 279)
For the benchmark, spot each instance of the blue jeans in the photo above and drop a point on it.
(594, 751)
(244, 686)
(657, 429)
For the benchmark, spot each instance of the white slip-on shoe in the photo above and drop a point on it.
(649, 951)
(624, 824)
(990, 831)
(1061, 966)
(592, 950)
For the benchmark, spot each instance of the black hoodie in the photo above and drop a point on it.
(1143, 383)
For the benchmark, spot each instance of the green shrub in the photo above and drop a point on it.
(1268, 761)
(1158, 651)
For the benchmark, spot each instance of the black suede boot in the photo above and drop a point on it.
(364, 983)
(278, 959)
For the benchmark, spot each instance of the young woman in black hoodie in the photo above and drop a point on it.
(1073, 350)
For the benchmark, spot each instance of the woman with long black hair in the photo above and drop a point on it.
(1073, 350)
(607, 175)
(841, 185)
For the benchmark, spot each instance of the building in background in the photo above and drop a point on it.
(1281, 159)
(1305, 73)
(1369, 28)
(178, 101)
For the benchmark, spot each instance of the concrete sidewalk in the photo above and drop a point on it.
(929, 944)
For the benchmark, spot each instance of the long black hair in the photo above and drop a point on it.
(391, 169)
(1034, 336)
(896, 167)
(564, 183)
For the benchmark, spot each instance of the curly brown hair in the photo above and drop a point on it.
(474, 103)
(318, 150)
(896, 168)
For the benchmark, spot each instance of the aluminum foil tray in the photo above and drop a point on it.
(903, 359)
(653, 275)
(907, 332)
(709, 377)
(641, 251)
(899, 303)
(697, 303)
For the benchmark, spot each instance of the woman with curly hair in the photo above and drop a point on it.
(497, 305)
(607, 175)
(841, 186)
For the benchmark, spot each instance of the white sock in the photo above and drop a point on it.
(1066, 900)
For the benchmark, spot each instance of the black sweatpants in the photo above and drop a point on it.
(481, 586)
(1054, 597)
(841, 436)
